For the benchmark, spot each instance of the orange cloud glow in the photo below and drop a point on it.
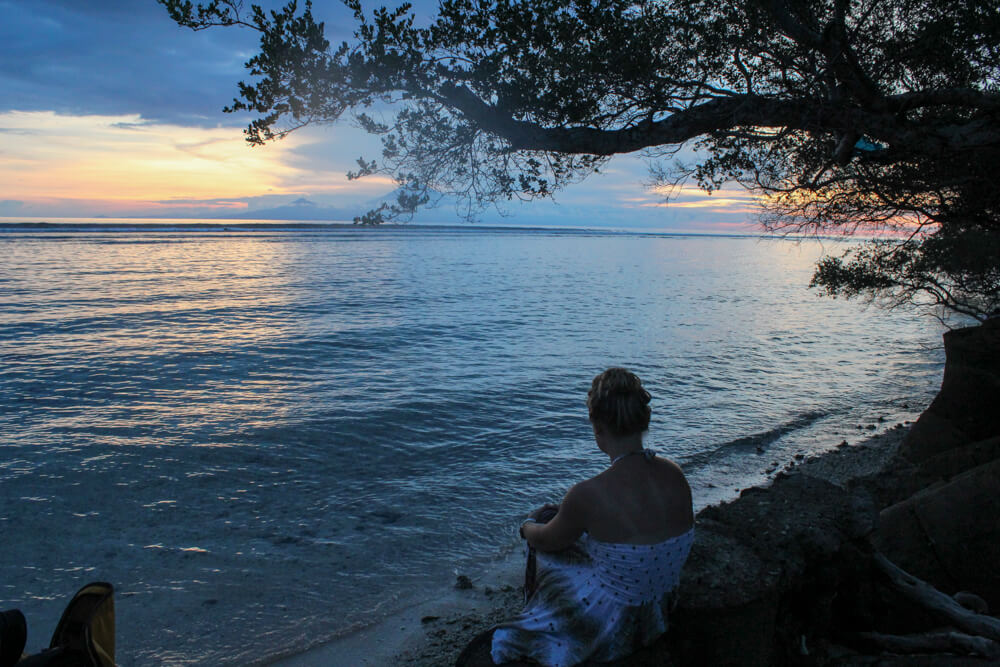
(124, 159)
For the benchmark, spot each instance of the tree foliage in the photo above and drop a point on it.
(871, 117)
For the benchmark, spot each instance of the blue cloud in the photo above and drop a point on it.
(121, 57)
(11, 207)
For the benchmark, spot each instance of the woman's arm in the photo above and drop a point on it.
(562, 530)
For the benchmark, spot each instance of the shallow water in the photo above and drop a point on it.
(267, 438)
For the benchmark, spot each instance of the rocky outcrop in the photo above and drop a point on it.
(967, 408)
(949, 534)
(763, 579)
(948, 531)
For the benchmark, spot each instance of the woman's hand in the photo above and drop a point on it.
(544, 514)
(558, 526)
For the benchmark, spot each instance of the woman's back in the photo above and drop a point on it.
(638, 501)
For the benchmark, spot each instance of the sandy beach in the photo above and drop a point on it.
(432, 633)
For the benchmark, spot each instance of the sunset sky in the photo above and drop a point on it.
(110, 109)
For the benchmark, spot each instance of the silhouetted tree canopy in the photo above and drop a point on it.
(870, 117)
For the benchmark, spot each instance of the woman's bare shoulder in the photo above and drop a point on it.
(670, 472)
(669, 464)
(585, 490)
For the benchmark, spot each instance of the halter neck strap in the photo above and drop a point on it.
(648, 454)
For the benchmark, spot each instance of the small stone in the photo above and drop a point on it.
(843, 443)
(429, 619)
(799, 457)
(463, 583)
(487, 590)
(972, 602)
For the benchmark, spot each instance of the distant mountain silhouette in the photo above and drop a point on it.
(300, 209)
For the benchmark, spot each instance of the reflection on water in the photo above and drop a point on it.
(265, 436)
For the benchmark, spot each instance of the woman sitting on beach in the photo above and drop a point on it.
(609, 558)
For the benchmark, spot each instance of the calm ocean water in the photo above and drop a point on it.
(266, 438)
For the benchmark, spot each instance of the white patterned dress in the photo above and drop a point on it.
(594, 601)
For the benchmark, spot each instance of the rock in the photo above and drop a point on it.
(972, 602)
(463, 583)
(764, 570)
(967, 408)
(955, 461)
(930, 435)
(948, 534)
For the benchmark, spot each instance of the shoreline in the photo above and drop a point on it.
(433, 632)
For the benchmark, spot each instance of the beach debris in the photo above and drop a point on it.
(463, 583)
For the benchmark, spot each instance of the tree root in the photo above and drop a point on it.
(935, 601)
(933, 642)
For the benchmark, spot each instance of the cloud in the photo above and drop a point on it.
(120, 57)
(50, 156)
(10, 207)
